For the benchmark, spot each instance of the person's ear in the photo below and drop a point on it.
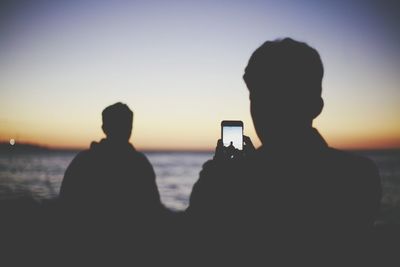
(317, 108)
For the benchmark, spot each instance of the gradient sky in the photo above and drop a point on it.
(179, 66)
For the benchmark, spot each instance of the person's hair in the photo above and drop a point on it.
(117, 117)
(292, 65)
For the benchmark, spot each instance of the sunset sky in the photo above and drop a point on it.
(179, 66)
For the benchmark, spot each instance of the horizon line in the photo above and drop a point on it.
(166, 150)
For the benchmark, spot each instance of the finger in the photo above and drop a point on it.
(247, 140)
(219, 143)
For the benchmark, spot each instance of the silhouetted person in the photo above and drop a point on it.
(294, 192)
(109, 190)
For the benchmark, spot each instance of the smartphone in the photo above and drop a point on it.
(232, 133)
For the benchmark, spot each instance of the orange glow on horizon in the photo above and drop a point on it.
(206, 144)
(372, 143)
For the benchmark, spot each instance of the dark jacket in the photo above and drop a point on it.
(309, 191)
(111, 207)
(110, 179)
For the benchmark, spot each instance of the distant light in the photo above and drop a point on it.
(12, 142)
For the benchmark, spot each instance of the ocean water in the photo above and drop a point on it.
(39, 174)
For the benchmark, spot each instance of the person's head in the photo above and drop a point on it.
(117, 122)
(284, 78)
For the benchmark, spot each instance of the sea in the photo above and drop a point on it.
(39, 174)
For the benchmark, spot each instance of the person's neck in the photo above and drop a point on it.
(117, 142)
(289, 139)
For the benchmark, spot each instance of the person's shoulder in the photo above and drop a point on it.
(351, 160)
(348, 156)
(79, 163)
(140, 160)
(82, 155)
(139, 156)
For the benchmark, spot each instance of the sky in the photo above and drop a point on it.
(179, 66)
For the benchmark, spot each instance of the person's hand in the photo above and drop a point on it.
(248, 147)
(219, 151)
(223, 153)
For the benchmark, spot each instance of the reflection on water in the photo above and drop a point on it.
(40, 174)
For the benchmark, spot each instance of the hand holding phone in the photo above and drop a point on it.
(233, 144)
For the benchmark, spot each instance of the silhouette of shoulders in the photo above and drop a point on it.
(110, 197)
(309, 180)
(311, 198)
(112, 176)
(107, 172)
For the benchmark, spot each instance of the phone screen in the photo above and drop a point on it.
(232, 134)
